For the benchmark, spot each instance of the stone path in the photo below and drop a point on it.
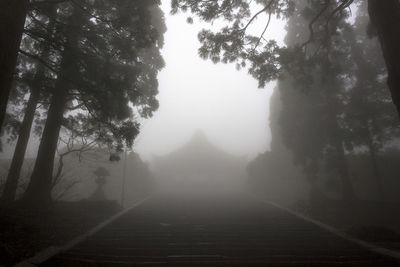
(214, 229)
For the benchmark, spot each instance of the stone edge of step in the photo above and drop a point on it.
(49, 252)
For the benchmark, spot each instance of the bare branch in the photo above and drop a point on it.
(265, 29)
(268, 6)
(311, 24)
(38, 59)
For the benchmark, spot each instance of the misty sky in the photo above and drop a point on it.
(196, 94)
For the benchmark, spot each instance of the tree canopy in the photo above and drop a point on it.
(95, 66)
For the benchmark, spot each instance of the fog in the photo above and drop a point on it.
(218, 102)
(194, 94)
(199, 133)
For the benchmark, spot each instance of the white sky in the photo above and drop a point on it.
(196, 94)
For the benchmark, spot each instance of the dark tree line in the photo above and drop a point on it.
(344, 105)
(86, 63)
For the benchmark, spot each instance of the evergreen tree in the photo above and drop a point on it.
(12, 20)
(31, 75)
(371, 118)
(102, 67)
(337, 104)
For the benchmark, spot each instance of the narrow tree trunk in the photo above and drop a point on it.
(336, 140)
(12, 20)
(385, 17)
(19, 153)
(343, 169)
(60, 168)
(375, 167)
(378, 178)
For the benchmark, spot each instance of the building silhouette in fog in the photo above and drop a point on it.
(200, 163)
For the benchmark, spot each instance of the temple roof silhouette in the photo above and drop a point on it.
(198, 146)
(199, 156)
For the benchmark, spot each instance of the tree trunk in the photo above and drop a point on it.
(19, 153)
(375, 167)
(38, 193)
(335, 135)
(12, 20)
(11, 185)
(347, 185)
(343, 170)
(385, 17)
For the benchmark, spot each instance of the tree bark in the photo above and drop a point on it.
(385, 18)
(12, 20)
(19, 153)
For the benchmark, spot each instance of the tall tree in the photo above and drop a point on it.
(371, 118)
(385, 18)
(103, 68)
(312, 103)
(12, 20)
(34, 78)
